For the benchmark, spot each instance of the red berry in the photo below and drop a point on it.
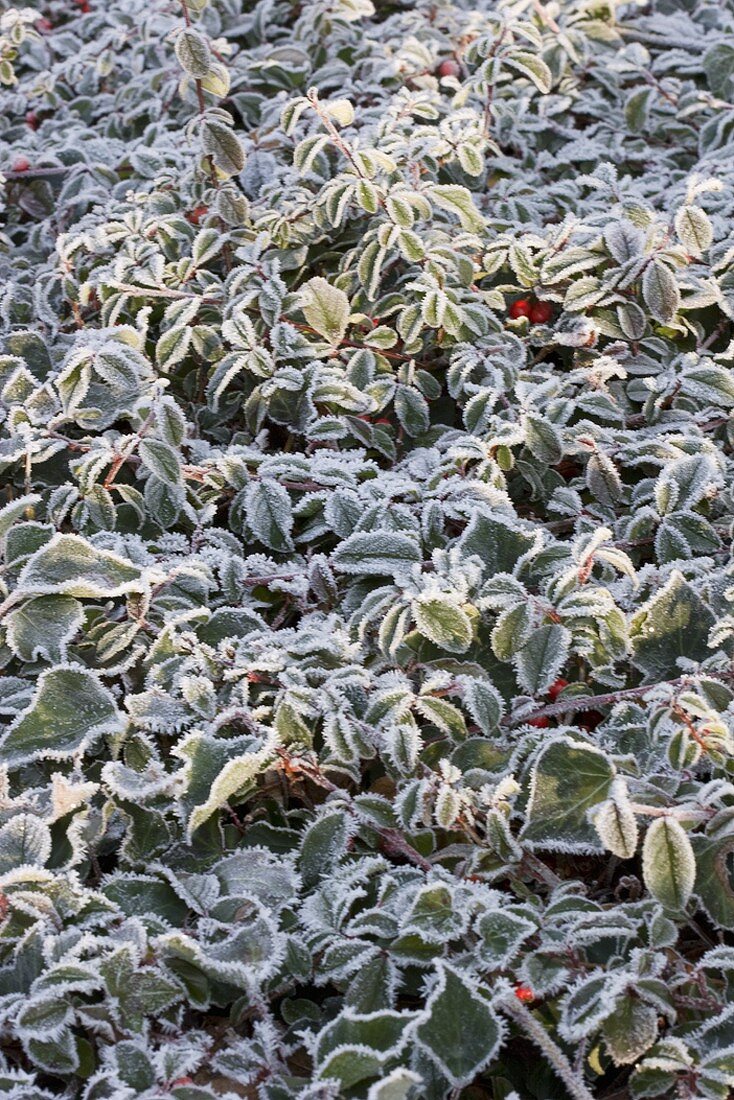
(32, 120)
(194, 216)
(21, 164)
(182, 1081)
(541, 313)
(520, 308)
(524, 993)
(448, 68)
(43, 24)
(542, 722)
(556, 688)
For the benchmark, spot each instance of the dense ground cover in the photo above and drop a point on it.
(366, 389)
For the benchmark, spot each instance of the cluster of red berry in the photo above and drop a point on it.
(194, 216)
(537, 312)
(449, 68)
(553, 692)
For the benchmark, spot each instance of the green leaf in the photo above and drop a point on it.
(323, 843)
(173, 346)
(351, 1064)
(660, 291)
(668, 863)
(673, 623)
(42, 627)
(470, 158)
(58, 1055)
(534, 68)
(630, 1030)
(543, 439)
(483, 702)
(461, 1033)
(501, 936)
(223, 146)
(377, 553)
(326, 309)
(217, 771)
(632, 320)
(269, 513)
(137, 991)
(71, 566)
(511, 631)
(616, 824)
(69, 710)
(193, 53)
(439, 618)
(458, 200)
(718, 64)
(411, 409)
(569, 780)
(694, 230)
(42, 1017)
(714, 883)
(161, 459)
(24, 840)
(400, 1084)
(542, 657)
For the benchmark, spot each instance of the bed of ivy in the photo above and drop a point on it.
(366, 598)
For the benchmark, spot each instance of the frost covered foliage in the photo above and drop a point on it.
(366, 620)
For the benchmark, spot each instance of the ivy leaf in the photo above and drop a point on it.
(569, 779)
(460, 1031)
(137, 991)
(69, 710)
(42, 627)
(673, 623)
(24, 840)
(71, 566)
(217, 771)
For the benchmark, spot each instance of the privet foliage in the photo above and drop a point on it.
(366, 620)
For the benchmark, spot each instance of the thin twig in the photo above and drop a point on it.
(535, 1031)
(573, 704)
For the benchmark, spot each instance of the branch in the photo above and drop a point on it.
(535, 1031)
(572, 704)
(42, 173)
(392, 842)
